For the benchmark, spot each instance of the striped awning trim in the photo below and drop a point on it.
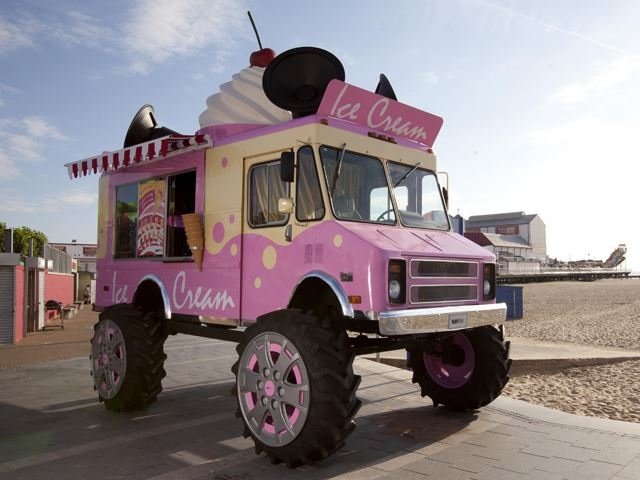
(137, 154)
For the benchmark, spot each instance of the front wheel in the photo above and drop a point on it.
(464, 371)
(295, 387)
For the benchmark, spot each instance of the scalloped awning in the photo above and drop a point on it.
(164, 147)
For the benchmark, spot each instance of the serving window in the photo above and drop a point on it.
(126, 223)
(181, 200)
(149, 213)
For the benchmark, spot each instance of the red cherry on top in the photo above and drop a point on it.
(261, 58)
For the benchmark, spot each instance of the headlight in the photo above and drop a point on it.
(397, 281)
(394, 289)
(489, 281)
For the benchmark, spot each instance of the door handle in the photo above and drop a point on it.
(288, 232)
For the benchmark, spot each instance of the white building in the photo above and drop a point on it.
(519, 241)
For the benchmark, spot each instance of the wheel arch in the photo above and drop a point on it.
(150, 292)
(313, 285)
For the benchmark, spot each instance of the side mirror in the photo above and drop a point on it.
(445, 195)
(287, 166)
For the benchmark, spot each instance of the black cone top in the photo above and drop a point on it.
(144, 127)
(384, 88)
(296, 79)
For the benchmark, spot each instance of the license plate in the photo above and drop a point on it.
(457, 320)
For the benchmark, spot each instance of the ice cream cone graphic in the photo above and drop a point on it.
(195, 236)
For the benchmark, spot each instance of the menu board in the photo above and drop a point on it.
(151, 226)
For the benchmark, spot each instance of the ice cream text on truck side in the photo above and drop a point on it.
(309, 211)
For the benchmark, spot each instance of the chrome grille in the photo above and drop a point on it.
(439, 269)
(443, 293)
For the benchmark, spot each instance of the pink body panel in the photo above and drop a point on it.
(271, 271)
(332, 247)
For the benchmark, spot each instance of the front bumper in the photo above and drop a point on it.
(440, 319)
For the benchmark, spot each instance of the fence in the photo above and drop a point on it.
(61, 261)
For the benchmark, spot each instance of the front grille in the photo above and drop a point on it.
(439, 269)
(443, 293)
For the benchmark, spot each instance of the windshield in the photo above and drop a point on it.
(357, 186)
(418, 197)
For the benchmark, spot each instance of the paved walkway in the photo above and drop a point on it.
(52, 427)
(53, 344)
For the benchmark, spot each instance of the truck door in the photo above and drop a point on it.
(276, 251)
(266, 236)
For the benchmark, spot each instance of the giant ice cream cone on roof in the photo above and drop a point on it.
(243, 101)
(195, 236)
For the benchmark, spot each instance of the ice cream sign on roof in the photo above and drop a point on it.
(347, 102)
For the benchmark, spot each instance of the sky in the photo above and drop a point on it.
(540, 99)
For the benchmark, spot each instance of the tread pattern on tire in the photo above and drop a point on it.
(333, 403)
(489, 377)
(144, 336)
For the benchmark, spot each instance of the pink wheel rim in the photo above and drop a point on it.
(273, 389)
(447, 374)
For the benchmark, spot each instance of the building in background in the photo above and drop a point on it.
(84, 256)
(27, 288)
(519, 241)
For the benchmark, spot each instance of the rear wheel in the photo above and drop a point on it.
(465, 371)
(295, 387)
(127, 358)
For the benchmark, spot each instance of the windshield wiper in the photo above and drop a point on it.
(415, 167)
(336, 174)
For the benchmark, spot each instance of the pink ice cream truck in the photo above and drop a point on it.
(305, 222)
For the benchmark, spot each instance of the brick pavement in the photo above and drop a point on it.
(52, 427)
(52, 344)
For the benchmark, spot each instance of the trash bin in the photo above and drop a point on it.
(512, 296)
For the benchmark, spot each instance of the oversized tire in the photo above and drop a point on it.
(127, 357)
(464, 371)
(295, 387)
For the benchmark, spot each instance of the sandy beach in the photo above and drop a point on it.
(603, 313)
